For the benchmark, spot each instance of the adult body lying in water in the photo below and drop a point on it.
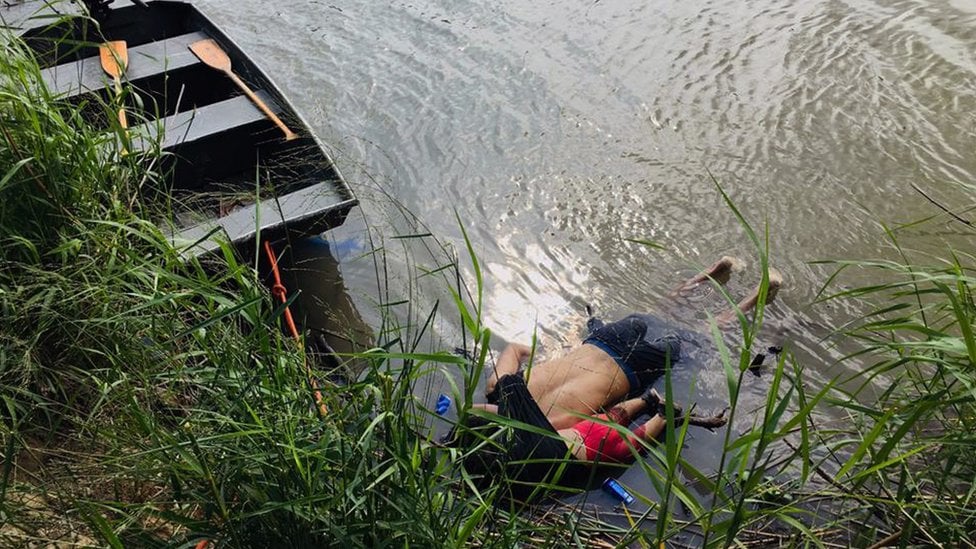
(561, 399)
(616, 361)
(603, 437)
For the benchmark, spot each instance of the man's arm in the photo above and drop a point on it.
(508, 362)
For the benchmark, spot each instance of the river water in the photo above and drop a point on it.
(559, 131)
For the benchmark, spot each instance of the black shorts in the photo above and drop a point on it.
(528, 455)
(642, 345)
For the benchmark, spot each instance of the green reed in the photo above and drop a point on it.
(911, 452)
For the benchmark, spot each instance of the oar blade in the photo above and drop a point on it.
(114, 56)
(211, 54)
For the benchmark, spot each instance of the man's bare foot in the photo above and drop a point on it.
(775, 283)
(720, 271)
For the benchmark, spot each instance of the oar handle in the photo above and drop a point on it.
(289, 135)
(123, 120)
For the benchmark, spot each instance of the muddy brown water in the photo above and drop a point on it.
(560, 131)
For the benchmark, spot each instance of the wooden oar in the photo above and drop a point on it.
(213, 56)
(115, 58)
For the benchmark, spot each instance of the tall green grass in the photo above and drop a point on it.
(910, 449)
(58, 172)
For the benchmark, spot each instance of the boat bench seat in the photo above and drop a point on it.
(145, 61)
(25, 16)
(305, 212)
(210, 142)
(33, 14)
(234, 114)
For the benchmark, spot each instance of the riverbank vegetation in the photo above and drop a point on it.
(910, 446)
(153, 401)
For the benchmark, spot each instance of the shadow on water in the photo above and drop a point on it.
(324, 307)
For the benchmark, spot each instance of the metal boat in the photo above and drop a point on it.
(230, 175)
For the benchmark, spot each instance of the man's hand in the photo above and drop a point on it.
(508, 362)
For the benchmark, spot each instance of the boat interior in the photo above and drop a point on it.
(224, 163)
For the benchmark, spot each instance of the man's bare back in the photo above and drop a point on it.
(577, 384)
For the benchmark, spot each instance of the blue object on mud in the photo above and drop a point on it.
(443, 404)
(614, 488)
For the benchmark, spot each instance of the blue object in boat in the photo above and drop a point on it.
(614, 488)
(443, 404)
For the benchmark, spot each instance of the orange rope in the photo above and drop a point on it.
(279, 291)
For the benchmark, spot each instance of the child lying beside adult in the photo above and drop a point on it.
(561, 400)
